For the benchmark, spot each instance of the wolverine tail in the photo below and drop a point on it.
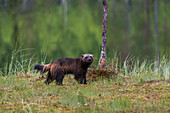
(42, 68)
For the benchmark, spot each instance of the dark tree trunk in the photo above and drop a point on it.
(165, 27)
(156, 30)
(130, 17)
(126, 45)
(24, 5)
(103, 60)
(14, 36)
(146, 25)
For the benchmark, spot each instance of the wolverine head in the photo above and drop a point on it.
(87, 58)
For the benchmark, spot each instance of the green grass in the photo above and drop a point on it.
(25, 94)
(137, 86)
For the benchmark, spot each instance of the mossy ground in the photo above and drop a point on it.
(117, 93)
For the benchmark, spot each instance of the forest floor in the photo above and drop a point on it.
(116, 93)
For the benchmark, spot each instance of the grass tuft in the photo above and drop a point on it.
(133, 86)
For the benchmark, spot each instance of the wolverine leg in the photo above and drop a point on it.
(76, 77)
(85, 82)
(59, 78)
(49, 78)
(81, 80)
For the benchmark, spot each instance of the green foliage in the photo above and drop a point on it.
(73, 28)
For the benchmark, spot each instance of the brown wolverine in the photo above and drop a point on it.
(58, 68)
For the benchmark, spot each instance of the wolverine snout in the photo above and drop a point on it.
(89, 59)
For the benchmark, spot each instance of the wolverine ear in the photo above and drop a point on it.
(93, 56)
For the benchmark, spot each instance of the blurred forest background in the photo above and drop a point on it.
(68, 28)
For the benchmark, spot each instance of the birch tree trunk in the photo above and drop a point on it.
(103, 60)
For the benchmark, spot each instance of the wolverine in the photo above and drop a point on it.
(58, 68)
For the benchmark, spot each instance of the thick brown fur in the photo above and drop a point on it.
(58, 68)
